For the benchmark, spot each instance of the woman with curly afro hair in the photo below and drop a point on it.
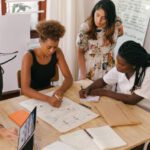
(39, 64)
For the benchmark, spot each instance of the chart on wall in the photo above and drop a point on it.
(135, 15)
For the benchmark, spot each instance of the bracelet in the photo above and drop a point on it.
(58, 97)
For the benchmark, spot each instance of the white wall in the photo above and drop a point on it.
(147, 39)
(14, 36)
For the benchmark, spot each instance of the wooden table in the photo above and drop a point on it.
(45, 134)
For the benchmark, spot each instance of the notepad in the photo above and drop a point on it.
(58, 145)
(90, 99)
(103, 138)
(19, 117)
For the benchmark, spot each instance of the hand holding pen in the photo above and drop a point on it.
(84, 92)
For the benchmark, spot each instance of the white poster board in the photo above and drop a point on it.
(135, 16)
(15, 36)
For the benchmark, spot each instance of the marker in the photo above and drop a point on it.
(88, 133)
(85, 106)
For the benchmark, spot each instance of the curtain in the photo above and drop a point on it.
(71, 13)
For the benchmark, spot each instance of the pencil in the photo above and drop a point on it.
(88, 133)
(85, 106)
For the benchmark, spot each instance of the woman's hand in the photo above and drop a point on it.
(10, 134)
(98, 92)
(54, 101)
(83, 93)
(58, 94)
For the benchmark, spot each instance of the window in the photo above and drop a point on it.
(37, 9)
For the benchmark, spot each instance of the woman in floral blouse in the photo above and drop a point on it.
(97, 39)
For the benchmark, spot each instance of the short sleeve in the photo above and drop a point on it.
(82, 38)
(111, 77)
(144, 90)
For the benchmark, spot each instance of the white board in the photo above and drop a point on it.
(135, 16)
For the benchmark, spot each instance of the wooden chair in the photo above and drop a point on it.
(54, 79)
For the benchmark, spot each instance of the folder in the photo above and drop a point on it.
(117, 113)
(19, 117)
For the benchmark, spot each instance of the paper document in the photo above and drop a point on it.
(58, 145)
(102, 138)
(70, 115)
(90, 99)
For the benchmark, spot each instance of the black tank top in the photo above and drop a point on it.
(41, 75)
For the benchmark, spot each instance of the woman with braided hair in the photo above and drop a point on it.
(131, 75)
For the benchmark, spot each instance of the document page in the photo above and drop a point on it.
(100, 138)
(58, 145)
(80, 140)
(106, 138)
(70, 115)
(90, 99)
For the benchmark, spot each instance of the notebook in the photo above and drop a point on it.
(26, 132)
(19, 117)
(100, 138)
(58, 145)
(90, 99)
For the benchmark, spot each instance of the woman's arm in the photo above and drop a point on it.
(95, 85)
(68, 80)
(119, 27)
(81, 62)
(126, 98)
(120, 30)
(26, 80)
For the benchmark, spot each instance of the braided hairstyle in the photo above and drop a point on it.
(135, 55)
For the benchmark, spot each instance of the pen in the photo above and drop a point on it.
(81, 87)
(85, 106)
(88, 133)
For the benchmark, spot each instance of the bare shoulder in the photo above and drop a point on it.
(27, 57)
(59, 52)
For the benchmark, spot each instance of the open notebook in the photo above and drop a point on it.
(100, 138)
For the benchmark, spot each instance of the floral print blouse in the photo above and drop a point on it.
(99, 58)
